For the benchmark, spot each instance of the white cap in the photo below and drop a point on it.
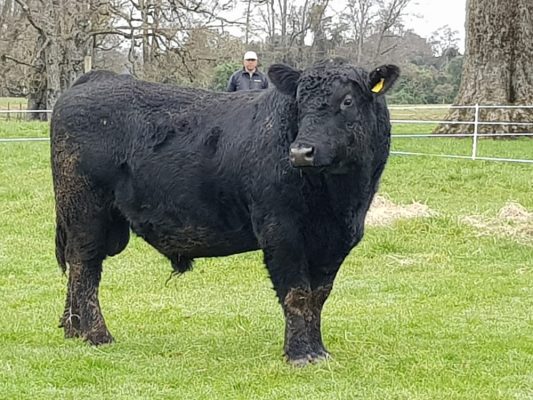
(250, 55)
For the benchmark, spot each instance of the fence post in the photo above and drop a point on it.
(87, 64)
(475, 137)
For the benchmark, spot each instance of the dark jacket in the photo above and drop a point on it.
(241, 80)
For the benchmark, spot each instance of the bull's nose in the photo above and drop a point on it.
(302, 156)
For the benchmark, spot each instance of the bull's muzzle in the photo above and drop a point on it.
(302, 155)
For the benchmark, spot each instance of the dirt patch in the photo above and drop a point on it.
(384, 212)
(513, 220)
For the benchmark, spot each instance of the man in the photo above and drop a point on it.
(249, 77)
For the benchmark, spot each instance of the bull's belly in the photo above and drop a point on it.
(191, 226)
(197, 241)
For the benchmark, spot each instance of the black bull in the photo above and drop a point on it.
(290, 171)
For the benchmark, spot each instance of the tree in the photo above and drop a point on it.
(497, 67)
(55, 52)
(319, 25)
(14, 74)
(54, 37)
(222, 74)
(375, 27)
(389, 24)
(360, 17)
(444, 39)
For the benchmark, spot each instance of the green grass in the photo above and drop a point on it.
(421, 112)
(424, 309)
(13, 103)
(23, 129)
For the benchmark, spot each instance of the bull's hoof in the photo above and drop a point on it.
(71, 333)
(98, 338)
(71, 327)
(309, 358)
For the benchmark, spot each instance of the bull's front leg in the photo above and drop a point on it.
(303, 335)
(289, 271)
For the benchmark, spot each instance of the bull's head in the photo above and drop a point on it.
(341, 112)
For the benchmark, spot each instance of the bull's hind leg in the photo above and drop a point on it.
(88, 229)
(82, 316)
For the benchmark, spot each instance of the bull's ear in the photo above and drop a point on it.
(284, 78)
(382, 78)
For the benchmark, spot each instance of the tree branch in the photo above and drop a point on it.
(27, 11)
(6, 57)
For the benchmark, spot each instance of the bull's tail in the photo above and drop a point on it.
(61, 244)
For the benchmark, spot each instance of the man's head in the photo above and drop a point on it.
(250, 61)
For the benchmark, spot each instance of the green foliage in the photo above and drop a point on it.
(428, 84)
(429, 308)
(222, 74)
(453, 71)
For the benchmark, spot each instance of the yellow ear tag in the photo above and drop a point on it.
(378, 86)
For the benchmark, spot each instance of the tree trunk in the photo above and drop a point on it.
(37, 92)
(497, 66)
(283, 7)
(273, 20)
(57, 79)
(60, 50)
(247, 28)
(143, 6)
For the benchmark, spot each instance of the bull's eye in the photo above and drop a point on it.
(346, 102)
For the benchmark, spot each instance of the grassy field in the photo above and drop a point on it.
(12, 103)
(426, 308)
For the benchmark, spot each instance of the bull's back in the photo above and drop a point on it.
(105, 118)
(105, 105)
(104, 109)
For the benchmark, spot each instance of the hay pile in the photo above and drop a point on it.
(513, 220)
(384, 212)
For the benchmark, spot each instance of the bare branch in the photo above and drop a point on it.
(27, 11)
(20, 62)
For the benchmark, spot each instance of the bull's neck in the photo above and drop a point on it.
(284, 107)
(342, 190)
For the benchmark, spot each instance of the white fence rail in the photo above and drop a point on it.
(25, 111)
(475, 136)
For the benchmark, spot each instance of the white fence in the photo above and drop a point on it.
(475, 135)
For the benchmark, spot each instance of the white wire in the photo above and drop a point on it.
(409, 153)
(421, 121)
(24, 111)
(24, 140)
(452, 135)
